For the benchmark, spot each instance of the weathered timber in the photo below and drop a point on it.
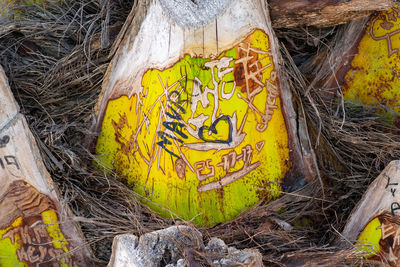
(364, 65)
(151, 249)
(177, 246)
(297, 13)
(9, 108)
(375, 221)
(322, 13)
(35, 228)
(195, 111)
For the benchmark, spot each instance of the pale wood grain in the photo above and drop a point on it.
(27, 192)
(322, 13)
(383, 195)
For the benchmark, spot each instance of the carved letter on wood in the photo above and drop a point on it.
(375, 221)
(34, 227)
(194, 114)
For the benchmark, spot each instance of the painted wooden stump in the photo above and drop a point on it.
(195, 113)
(34, 226)
(375, 221)
(366, 64)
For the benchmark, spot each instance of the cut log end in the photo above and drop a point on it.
(193, 115)
(34, 225)
(375, 221)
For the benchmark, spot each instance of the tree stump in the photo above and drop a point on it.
(195, 112)
(34, 226)
(375, 221)
(364, 64)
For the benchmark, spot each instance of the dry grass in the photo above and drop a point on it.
(55, 59)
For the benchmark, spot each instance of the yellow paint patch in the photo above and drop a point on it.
(374, 75)
(50, 219)
(8, 249)
(370, 237)
(21, 244)
(200, 138)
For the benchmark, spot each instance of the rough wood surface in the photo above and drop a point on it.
(322, 13)
(150, 250)
(328, 68)
(375, 221)
(296, 13)
(35, 228)
(8, 106)
(381, 196)
(363, 66)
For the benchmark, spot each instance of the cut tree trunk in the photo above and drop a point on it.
(35, 228)
(322, 13)
(195, 111)
(364, 65)
(297, 13)
(375, 221)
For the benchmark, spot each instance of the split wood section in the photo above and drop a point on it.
(322, 13)
(375, 220)
(297, 13)
(195, 112)
(363, 66)
(35, 228)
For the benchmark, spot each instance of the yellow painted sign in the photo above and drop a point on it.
(381, 239)
(204, 138)
(374, 74)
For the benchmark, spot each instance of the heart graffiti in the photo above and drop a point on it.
(213, 130)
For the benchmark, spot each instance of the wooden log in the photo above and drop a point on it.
(322, 13)
(35, 228)
(195, 112)
(297, 13)
(375, 221)
(182, 243)
(364, 64)
(9, 108)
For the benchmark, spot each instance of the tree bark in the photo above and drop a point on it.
(322, 13)
(298, 13)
